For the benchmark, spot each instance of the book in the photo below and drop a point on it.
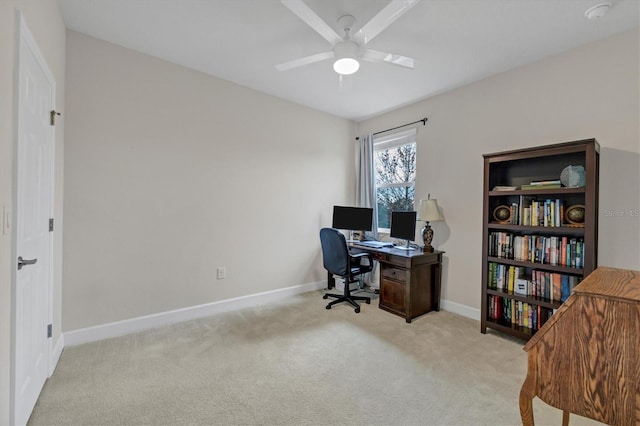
(526, 202)
(565, 288)
(500, 278)
(556, 282)
(511, 279)
(504, 188)
(540, 187)
(522, 286)
(545, 182)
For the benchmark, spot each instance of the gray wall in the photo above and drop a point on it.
(171, 173)
(589, 92)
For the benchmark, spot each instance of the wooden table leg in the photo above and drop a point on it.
(437, 284)
(526, 401)
(565, 418)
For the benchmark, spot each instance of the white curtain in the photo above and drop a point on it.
(366, 190)
(365, 179)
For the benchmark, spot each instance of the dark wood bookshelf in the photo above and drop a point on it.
(521, 167)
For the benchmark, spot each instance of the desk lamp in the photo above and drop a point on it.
(429, 212)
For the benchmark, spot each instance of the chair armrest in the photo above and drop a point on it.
(360, 254)
(357, 258)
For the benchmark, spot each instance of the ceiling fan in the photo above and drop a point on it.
(348, 49)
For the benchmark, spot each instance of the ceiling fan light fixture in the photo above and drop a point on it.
(346, 66)
(346, 53)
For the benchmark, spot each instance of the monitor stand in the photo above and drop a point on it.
(406, 247)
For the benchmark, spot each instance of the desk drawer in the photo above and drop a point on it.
(392, 296)
(396, 274)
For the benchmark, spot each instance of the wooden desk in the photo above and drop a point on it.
(586, 358)
(410, 281)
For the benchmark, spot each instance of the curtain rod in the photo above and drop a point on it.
(423, 121)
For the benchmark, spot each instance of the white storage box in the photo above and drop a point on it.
(340, 285)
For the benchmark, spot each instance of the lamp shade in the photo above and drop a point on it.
(428, 211)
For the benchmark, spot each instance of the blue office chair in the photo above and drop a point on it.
(338, 261)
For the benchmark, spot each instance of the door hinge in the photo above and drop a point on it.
(53, 117)
(49, 331)
(51, 225)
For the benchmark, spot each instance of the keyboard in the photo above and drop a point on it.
(375, 244)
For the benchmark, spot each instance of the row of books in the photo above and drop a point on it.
(551, 250)
(518, 313)
(552, 286)
(529, 211)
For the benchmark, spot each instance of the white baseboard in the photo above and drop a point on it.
(133, 325)
(56, 354)
(464, 310)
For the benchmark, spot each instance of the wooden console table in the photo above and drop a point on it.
(410, 281)
(586, 358)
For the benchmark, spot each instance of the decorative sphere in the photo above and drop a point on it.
(573, 176)
(502, 213)
(575, 214)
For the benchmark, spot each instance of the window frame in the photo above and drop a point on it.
(391, 141)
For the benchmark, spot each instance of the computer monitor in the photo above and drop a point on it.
(403, 226)
(352, 218)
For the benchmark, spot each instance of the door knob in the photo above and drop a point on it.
(22, 262)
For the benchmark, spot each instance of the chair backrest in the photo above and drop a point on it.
(335, 253)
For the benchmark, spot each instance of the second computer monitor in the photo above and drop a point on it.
(352, 218)
(403, 226)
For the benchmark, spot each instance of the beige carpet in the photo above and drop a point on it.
(295, 363)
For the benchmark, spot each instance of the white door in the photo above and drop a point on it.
(35, 148)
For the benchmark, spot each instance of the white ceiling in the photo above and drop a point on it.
(454, 42)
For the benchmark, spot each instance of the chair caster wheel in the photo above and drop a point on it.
(368, 302)
(357, 310)
(325, 296)
(328, 307)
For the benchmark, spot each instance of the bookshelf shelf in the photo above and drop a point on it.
(558, 191)
(536, 228)
(545, 266)
(510, 329)
(548, 230)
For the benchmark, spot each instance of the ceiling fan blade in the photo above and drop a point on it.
(304, 61)
(305, 13)
(391, 58)
(383, 19)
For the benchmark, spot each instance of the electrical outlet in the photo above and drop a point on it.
(222, 273)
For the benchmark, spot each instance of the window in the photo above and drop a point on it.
(394, 159)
